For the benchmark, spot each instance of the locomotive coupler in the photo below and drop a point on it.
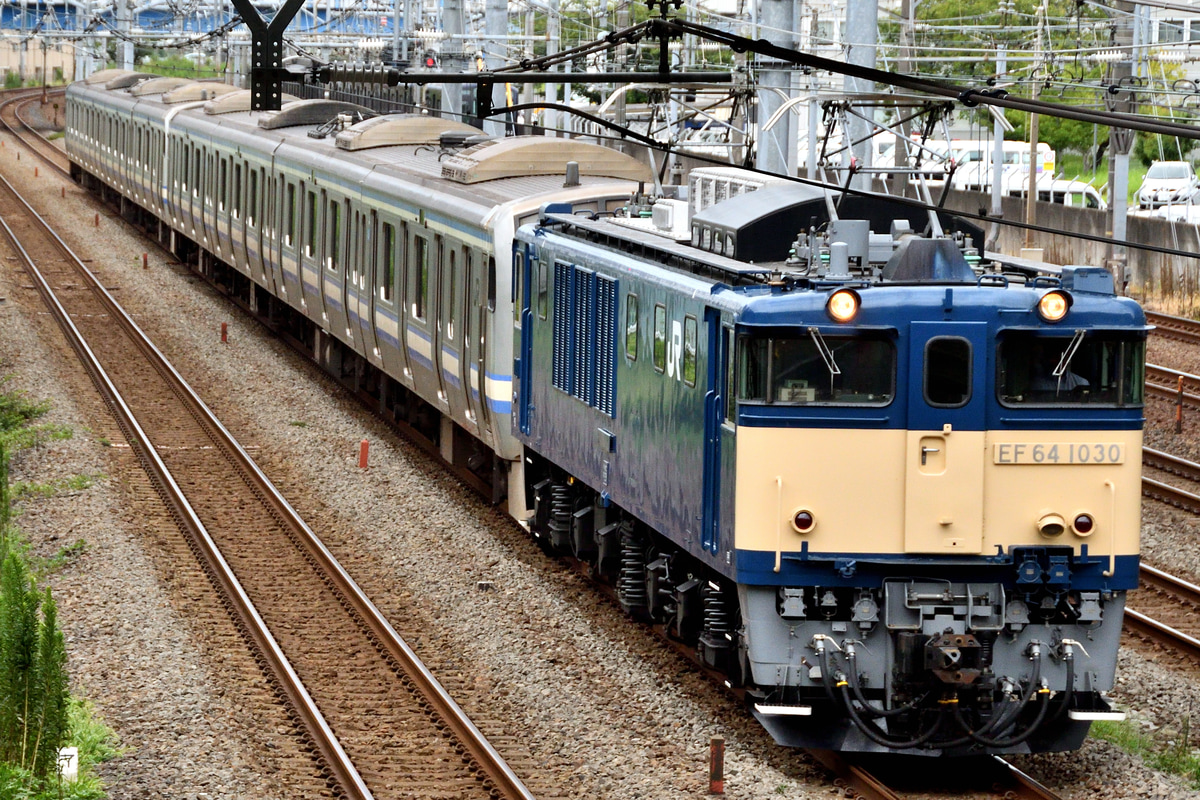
(954, 658)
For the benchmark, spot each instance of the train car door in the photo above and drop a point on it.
(333, 268)
(367, 280)
(944, 456)
(714, 416)
(524, 258)
(440, 279)
(254, 222)
(471, 311)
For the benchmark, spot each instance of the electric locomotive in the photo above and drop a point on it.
(892, 493)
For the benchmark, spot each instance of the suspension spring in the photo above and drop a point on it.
(718, 621)
(631, 584)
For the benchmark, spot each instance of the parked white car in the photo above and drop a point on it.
(1168, 183)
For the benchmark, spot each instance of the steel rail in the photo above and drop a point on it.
(323, 737)
(1164, 634)
(1172, 327)
(1165, 581)
(490, 761)
(42, 143)
(1026, 785)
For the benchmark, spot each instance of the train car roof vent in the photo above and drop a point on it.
(1096, 280)
(197, 91)
(400, 129)
(129, 79)
(523, 156)
(105, 75)
(932, 260)
(317, 111)
(237, 100)
(158, 86)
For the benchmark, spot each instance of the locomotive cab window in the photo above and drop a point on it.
(1089, 367)
(811, 368)
(631, 327)
(947, 379)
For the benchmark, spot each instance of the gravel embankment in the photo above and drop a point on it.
(591, 697)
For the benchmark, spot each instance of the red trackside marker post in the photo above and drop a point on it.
(224, 333)
(1179, 408)
(716, 765)
(362, 454)
(64, 191)
(35, 172)
(97, 220)
(145, 261)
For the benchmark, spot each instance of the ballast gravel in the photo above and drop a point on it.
(595, 699)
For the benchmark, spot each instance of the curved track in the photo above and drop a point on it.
(332, 655)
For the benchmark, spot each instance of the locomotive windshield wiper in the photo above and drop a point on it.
(826, 353)
(1064, 363)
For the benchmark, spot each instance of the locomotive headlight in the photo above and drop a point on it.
(843, 305)
(1051, 525)
(1053, 306)
(803, 520)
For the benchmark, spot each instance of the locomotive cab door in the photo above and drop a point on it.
(944, 454)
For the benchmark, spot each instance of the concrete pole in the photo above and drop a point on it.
(862, 32)
(997, 162)
(496, 26)
(1031, 188)
(452, 58)
(125, 25)
(552, 119)
(1120, 143)
(775, 77)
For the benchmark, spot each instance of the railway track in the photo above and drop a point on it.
(377, 721)
(1167, 612)
(1180, 328)
(982, 776)
(15, 117)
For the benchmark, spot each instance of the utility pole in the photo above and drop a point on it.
(496, 27)
(997, 173)
(774, 82)
(1120, 143)
(862, 32)
(904, 67)
(553, 32)
(453, 57)
(1031, 191)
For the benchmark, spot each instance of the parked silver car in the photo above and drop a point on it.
(1168, 182)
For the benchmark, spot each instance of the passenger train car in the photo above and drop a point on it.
(888, 490)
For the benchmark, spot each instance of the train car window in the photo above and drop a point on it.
(689, 350)
(421, 256)
(223, 184)
(660, 337)
(792, 371)
(311, 246)
(631, 326)
(252, 203)
(518, 283)
(387, 276)
(291, 215)
(452, 294)
(184, 167)
(1098, 368)
(236, 202)
(543, 297)
(197, 163)
(491, 283)
(335, 236)
(947, 378)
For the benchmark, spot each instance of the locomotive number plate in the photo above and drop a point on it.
(1058, 453)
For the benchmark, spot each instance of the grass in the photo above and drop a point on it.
(1070, 165)
(96, 742)
(75, 483)
(1170, 755)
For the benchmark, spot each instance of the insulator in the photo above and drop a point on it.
(357, 72)
(631, 583)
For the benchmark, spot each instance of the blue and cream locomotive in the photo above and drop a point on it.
(895, 496)
(892, 492)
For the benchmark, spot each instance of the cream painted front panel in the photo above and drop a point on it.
(1019, 494)
(943, 480)
(851, 480)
